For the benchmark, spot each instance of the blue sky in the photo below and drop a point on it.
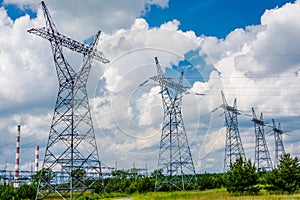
(15, 12)
(212, 17)
(259, 66)
(207, 17)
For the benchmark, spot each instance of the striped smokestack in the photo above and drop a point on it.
(36, 161)
(16, 177)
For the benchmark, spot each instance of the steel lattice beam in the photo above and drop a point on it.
(71, 161)
(233, 144)
(175, 159)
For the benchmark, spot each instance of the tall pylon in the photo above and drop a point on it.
(279, 148)
(233, 143)
(262, 156)
(71, 161)
(175, 159)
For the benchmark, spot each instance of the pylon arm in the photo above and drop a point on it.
(231, 109)
(169, 84)
(277, 130)
(260, 122)
(69, 43)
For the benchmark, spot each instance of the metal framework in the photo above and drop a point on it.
(71, 161)
(279, 148)
(175, 159)
(233, 144)
(262, 156)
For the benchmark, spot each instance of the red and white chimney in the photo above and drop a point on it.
(16, 177)
(36, 161)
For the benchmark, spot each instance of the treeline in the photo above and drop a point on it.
(242, 178)
(122, 181)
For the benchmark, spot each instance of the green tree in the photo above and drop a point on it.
(157, 172)
(209, 181)
(26, 191)
(286, 178)
(145, 184)
(119, 183)
(7, 192)
(98, 186)
(44, 174)
(242, 177)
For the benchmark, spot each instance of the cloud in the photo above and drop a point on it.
(108, 16)
(127, 116)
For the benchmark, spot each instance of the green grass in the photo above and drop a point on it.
(213, 194)
(205, 195)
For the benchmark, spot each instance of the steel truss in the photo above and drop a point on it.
(175, 165)
(233, 147)
(279, 148)
(71, 161)
(262, 156)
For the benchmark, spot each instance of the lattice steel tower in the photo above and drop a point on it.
(71, 161)
(279, 148)
(262, 156)
(233, 144)
(175, 158)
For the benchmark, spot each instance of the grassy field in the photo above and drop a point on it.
(204, 195)
(214, 194)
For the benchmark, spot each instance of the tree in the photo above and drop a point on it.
(145, 184)
(242, 177)
(98, 186)
(157, 172)
(209, 181)
(7, 192)
(286, 178)
(26, 191)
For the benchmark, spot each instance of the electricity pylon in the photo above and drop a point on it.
(71, 161)
(233, 145)
(175, 159)
(279, 148)
(262, 156)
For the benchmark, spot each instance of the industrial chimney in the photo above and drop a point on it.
(36, 161)
(16, 177)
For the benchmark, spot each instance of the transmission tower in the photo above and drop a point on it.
(71, 161)
(279, 148)
(175, 159)
(233, 147)
(262, 155)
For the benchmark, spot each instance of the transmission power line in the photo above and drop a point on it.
(262, 155)
(233, 143)
(71, 161)
(279, 148)
(175, 158)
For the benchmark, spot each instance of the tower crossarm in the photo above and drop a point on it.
(165, 82)
(231, 109)
(257, 121)
(275, 129)
(54, 36)
(226, 107)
